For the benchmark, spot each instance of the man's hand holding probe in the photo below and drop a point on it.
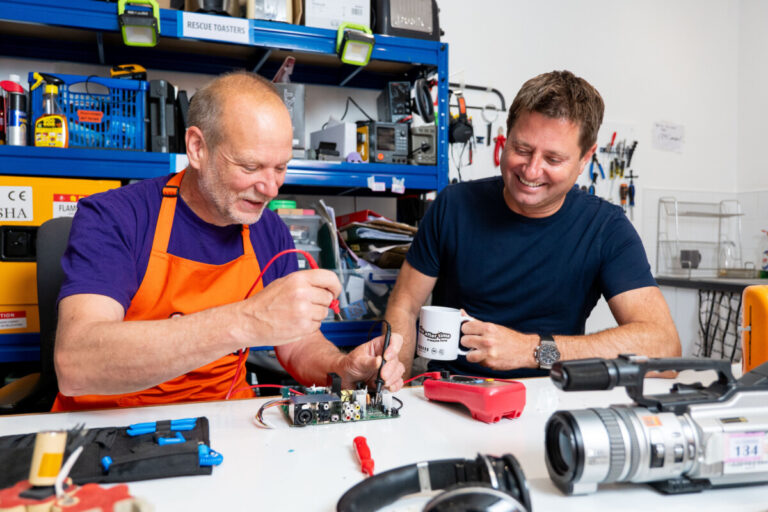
(292, 308)
(288, 309)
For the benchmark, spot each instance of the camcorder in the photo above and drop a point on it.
(687, 440)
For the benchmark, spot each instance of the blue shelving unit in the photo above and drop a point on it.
(91, 30)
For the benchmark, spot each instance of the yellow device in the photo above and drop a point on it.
(754, 334)
(25, 203)
(363, 142)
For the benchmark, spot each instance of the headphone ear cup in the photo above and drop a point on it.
(473, 497)
(512, 480)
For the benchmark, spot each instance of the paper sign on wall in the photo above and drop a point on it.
(16, 204)
(668, 137)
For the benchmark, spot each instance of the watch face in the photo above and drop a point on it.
(548, 354)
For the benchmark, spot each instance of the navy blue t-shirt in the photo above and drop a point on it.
(540, 276)
(112, 235)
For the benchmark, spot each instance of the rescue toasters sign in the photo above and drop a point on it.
(216, 28)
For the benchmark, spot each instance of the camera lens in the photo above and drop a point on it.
(564, 448)
(571, 467)
(566, 456)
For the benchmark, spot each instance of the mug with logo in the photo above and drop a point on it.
(440, 332)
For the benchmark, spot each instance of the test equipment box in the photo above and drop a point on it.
(384, 143)
(25, 203)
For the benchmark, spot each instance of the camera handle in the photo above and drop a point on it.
(680, 395)
(629, 371)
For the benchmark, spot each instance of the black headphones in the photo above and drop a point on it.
(460, 129)
(422, 100)
(486, 483)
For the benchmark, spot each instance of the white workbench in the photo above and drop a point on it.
(308, 469)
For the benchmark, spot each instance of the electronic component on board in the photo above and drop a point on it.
(331, 404)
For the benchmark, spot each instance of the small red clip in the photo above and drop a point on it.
(363, 455)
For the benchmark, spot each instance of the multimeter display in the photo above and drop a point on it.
(385, 138)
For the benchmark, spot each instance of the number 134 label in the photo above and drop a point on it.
(746, 452)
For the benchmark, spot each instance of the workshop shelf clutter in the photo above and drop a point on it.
(116, 114)
(101, 112)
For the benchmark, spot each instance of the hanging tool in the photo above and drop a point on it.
(623, 191)
(500, 141)
(593, 177)
(631, 193)
(599, 166)
(630, 152)
(489, 121)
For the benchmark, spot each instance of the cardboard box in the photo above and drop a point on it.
(332, 13)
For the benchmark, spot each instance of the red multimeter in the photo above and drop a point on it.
(488, 400)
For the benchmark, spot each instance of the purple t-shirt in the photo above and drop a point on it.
(112, 235)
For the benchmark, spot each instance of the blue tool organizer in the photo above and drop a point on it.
(101, 112)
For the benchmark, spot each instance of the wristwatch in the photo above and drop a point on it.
(546, 353)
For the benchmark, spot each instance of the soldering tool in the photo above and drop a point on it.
(379, 380)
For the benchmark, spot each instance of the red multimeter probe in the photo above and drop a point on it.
(488, 400)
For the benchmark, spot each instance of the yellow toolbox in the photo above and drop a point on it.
(754, 333)
(25, 203)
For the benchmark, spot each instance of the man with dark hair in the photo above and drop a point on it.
(528, 255)
(153, 308)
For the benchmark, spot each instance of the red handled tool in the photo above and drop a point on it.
(500, 140)
(363, 455)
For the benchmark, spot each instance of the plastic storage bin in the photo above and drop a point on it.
(303, 228)
(101, 112)
(365, 292)
(312, 250)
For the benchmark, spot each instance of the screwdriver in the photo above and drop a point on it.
(623, 191)
(363, 455)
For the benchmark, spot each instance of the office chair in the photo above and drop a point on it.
(35, 392)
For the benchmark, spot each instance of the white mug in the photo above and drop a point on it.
(440, 332)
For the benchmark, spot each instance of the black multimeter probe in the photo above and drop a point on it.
(379, 380)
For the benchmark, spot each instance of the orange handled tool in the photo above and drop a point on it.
(363, 455)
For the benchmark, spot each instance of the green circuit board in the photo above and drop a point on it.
(323, 406)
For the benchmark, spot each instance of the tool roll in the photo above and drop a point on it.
(122, 454)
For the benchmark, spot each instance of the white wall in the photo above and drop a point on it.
(702, 64)
(653, 60)
(753, 95)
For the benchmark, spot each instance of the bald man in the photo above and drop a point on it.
(153, 308)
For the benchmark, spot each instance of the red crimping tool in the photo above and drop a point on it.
(488, 400)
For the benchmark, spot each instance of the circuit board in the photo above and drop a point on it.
(326, 405)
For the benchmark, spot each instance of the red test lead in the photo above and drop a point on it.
(363, 455)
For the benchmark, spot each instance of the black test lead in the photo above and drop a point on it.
(379, 381)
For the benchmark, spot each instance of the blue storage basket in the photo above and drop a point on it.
(97, 119)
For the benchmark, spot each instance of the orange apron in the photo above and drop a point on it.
(175, 285)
